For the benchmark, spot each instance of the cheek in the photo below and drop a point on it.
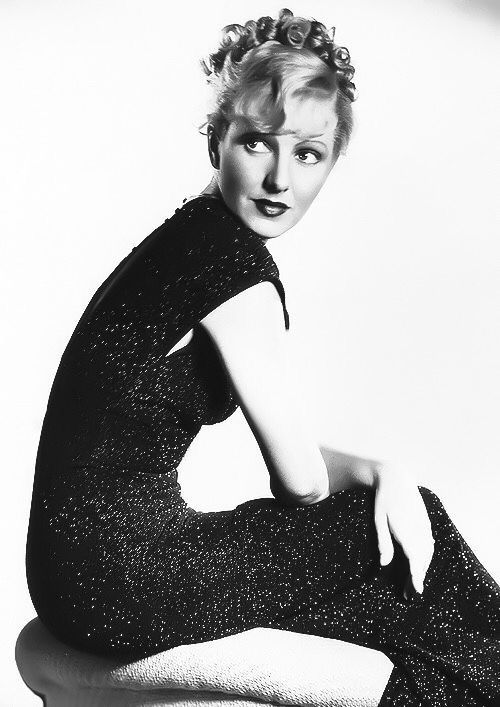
(310, 183)
(308, 186)
(234, 173)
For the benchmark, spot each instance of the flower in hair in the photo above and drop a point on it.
(296, 32)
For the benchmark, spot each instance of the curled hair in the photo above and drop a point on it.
(259, 63)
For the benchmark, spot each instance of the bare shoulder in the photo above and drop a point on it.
(255, 314)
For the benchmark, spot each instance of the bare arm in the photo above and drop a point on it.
(248, 332)
(348, 471)
(399, 511)
(252, 342)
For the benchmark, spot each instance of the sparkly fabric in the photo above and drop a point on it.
(118, 564)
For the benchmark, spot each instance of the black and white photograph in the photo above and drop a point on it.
(251, 354)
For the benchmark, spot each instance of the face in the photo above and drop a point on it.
(269, 180)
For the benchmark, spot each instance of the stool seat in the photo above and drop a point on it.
(262, 666)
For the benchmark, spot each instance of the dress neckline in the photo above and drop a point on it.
(218, 200)
(200, 196)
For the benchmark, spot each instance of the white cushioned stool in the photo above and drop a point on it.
(263, 666)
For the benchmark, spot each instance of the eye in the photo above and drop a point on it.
(308, 156)
(255, 145)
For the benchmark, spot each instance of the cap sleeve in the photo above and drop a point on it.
(217, 257)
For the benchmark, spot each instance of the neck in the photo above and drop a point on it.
(212, 188)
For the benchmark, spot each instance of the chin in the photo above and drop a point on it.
(267, 227)
(264, 226)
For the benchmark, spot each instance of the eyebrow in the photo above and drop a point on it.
(291, 132)
(255, 131)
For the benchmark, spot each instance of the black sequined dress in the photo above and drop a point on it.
(118, 564)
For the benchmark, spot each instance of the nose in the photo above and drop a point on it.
(277, 176)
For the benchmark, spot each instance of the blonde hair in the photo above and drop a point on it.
(259, 65)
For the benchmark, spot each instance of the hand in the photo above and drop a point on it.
(400, 513)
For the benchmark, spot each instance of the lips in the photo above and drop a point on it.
(270, 208)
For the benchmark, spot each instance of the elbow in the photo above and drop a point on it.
(306, 497)
(302, 492)
(312, 497)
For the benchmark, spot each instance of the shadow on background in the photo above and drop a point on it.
(485, 7)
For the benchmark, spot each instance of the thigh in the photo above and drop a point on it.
(298, 556)
(264, 562)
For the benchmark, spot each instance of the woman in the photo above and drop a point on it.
(189, 326)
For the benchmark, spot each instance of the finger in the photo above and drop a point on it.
(385, 544)
(417, 570)
(425, 555)
(409, 591)
(430, 552)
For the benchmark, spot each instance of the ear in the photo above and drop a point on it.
(213, 146)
